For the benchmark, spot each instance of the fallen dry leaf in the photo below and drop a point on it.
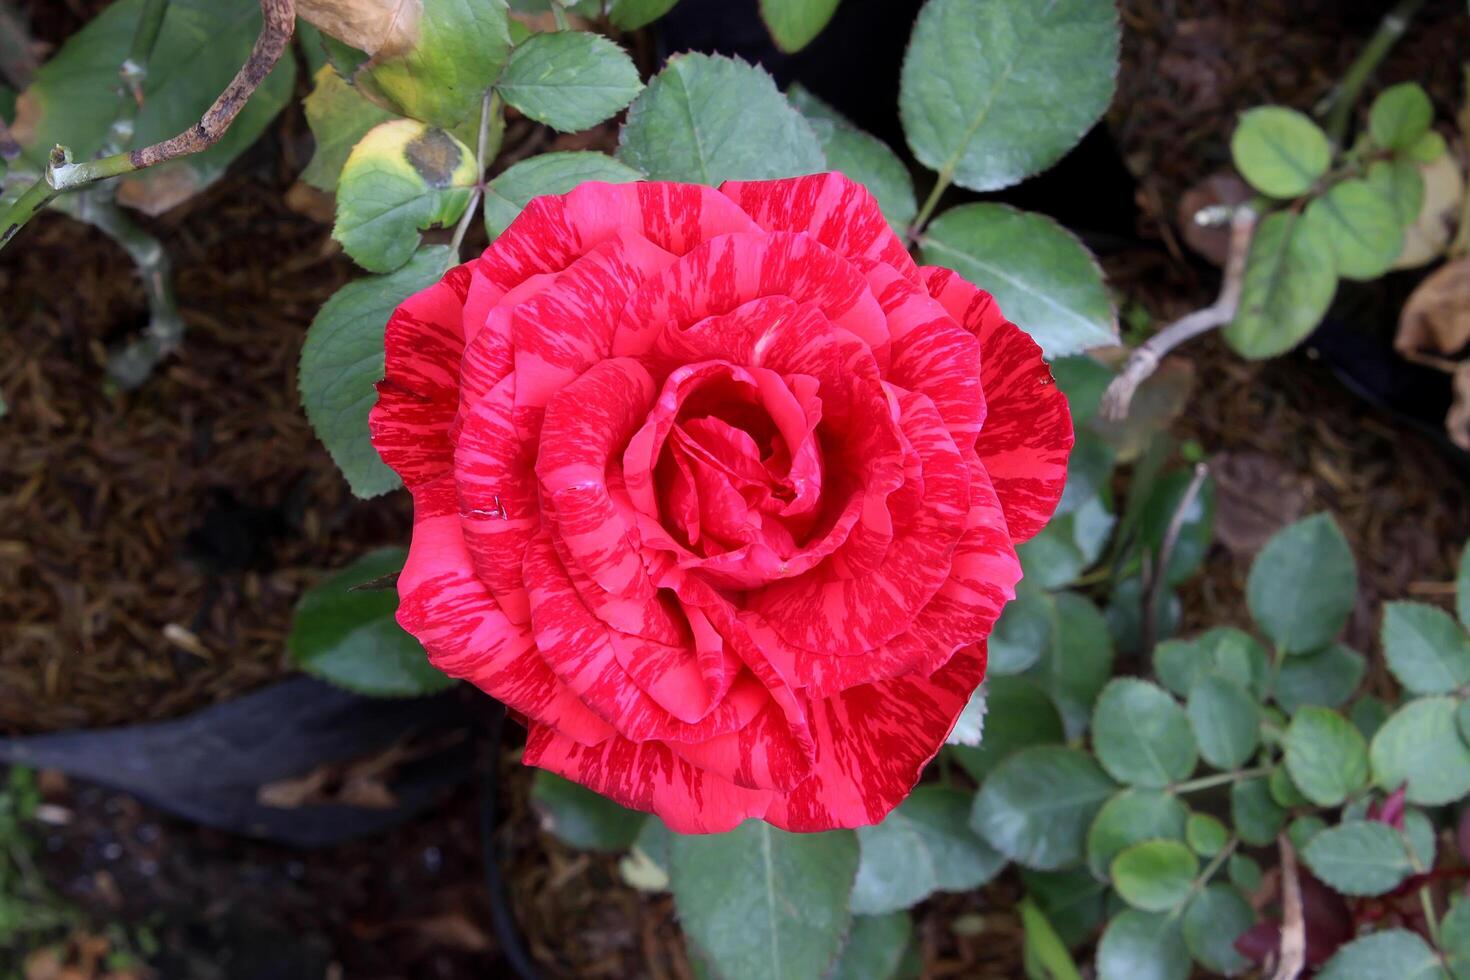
(380, 28)
(1212, 240)
(1256, 495)
(1457, 419)
(158, 189)
(1435, 322)
(1444, 192)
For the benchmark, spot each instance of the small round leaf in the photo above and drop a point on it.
(1361, 226)
(1289, 281)
(1326, 756)
(1400, 116)
(1280, 151)
(1142, 946)
(1257, 817)
(1426, 649)
(1226, 721)
(1393, 953)
(1420, 745)
(1131, 817)
(1213, 921)
(569, 80)
(1359, 857)
(1156, 875)
(1303, 584)
(1141, 734)
(1326, 677)
(1206, 835)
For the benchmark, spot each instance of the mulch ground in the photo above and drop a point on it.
(153, 543)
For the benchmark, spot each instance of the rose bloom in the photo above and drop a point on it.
(718, 491)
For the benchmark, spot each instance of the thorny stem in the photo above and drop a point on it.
(1220, 779)
(1146, 358)
(488, 106)
(134, 72)
(1166, 552)
(24, 208)
(1293, 955)
(275, 34)
(1337, 106)
(62, 174)
(131, 365)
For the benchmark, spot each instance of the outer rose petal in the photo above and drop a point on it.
(422, 343)
(649, 776)
(1028, 431)
(834, 210)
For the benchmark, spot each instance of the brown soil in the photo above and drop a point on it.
(120, 518)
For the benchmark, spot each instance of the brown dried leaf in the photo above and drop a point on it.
(1256, 495)
(381, 28)
(157, 189)
(1436, 319)
(1457, 419)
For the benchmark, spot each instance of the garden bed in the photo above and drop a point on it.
(154, 543)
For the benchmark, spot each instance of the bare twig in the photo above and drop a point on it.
(1337, 106)
(275, 34)
(1160, 575)
(1293, 954)
(1146, 357)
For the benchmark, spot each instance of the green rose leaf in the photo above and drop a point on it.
(1361, 226)
(1420, 745)
(1141, 735)
(1130, 817)
(1454, 938)
(1044, 278)
(1289, 281)
(1023, 633)
(1303, 829)
(1079, 662)
(795, 23)
(1426, 649)
(1284, 791)
(923, 846)
(349, 637)
(1018, 714)
(1396, 953)
(633, 14)
(1279, 151)
(707, 119)
(1400, 116)
(1256, 816)
(547, 173)
(1419, 835)
(1303, 584)
(1213, 921)
(1326, 677)
(1156, 875)
(994, 91)
(1427, 148)
(201, 44)
(1205, 835)
(342, 361)
(1225, 652)
(1225, 719)
(875, 947)
(1359, 857)
(582, 818)
(569, 80)
(761, 902)
(402, 177)
(339, 116)
(459, 49)
(1142, 946)
(1399, 182)
(864, 158)
(1326, 756)
(1036, 806)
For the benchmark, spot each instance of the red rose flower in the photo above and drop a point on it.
(718, 491)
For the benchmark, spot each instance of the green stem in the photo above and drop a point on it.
(1426, 902)
(559, 12)
(489, 105)
(24, 208)
(941, 184)
(1220, 779)
(1337, 107)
